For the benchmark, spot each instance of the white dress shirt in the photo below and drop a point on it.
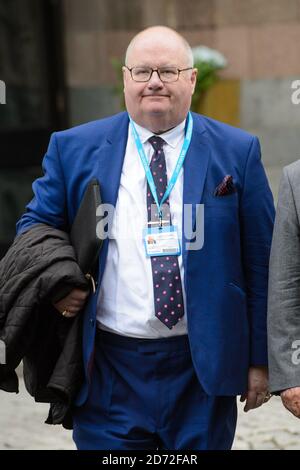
(125, 304)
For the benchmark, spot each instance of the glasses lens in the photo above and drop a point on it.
(141, 74)
(168, 74)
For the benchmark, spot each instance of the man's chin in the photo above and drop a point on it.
(156, 110)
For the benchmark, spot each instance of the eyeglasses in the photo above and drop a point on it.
(166, 74)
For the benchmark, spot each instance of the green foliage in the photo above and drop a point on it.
(206, 77)
(118, 87)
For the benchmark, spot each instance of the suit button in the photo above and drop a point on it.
(92, 322)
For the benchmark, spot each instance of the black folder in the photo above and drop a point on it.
(84, 239)
(83, 235)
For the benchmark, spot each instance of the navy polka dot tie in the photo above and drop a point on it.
(167, 286)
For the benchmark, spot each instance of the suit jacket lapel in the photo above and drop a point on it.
(110, 162)
(195, 169)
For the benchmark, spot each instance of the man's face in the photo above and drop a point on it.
(157, 101)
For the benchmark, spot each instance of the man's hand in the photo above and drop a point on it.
(291, 400)
(71, 305)
(257, 388)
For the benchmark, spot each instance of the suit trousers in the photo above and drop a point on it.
(145, 395)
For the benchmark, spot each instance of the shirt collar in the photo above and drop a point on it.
(171, 137)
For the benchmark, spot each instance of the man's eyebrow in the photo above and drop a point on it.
(158, 66)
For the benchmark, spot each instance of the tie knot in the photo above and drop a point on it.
(157, 142)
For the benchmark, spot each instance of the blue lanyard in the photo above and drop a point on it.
(174, 177)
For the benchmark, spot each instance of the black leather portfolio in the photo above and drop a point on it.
(83, 235)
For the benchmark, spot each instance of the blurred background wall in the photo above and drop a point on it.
(55, 58)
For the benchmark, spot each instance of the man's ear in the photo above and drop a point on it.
(124, 74)
(194, 78)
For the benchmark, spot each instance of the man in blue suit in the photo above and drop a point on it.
(177, 327)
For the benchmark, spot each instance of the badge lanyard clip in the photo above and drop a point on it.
(160, 219)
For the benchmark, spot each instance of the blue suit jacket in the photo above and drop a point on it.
(225, 281)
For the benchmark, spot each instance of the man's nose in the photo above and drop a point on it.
(155, 81)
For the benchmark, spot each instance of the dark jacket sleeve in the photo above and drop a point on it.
(284, 287)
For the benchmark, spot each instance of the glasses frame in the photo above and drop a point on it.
(158, 73)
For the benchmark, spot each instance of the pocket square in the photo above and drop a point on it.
(226, 187)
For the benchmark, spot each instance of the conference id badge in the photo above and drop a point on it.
(161, 241)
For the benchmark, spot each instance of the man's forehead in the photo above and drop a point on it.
(157, 54)
(150, 44)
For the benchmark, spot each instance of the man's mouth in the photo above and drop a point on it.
(155, 96)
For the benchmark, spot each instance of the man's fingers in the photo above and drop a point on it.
(78, 295)
(260, 399)
(76, 303)
(68, 314)
(254, 400)
(295, 410)
(250, 402)
(72, 308)
(292, 406)
(291, 400)
(71, 305)
(243, 397)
